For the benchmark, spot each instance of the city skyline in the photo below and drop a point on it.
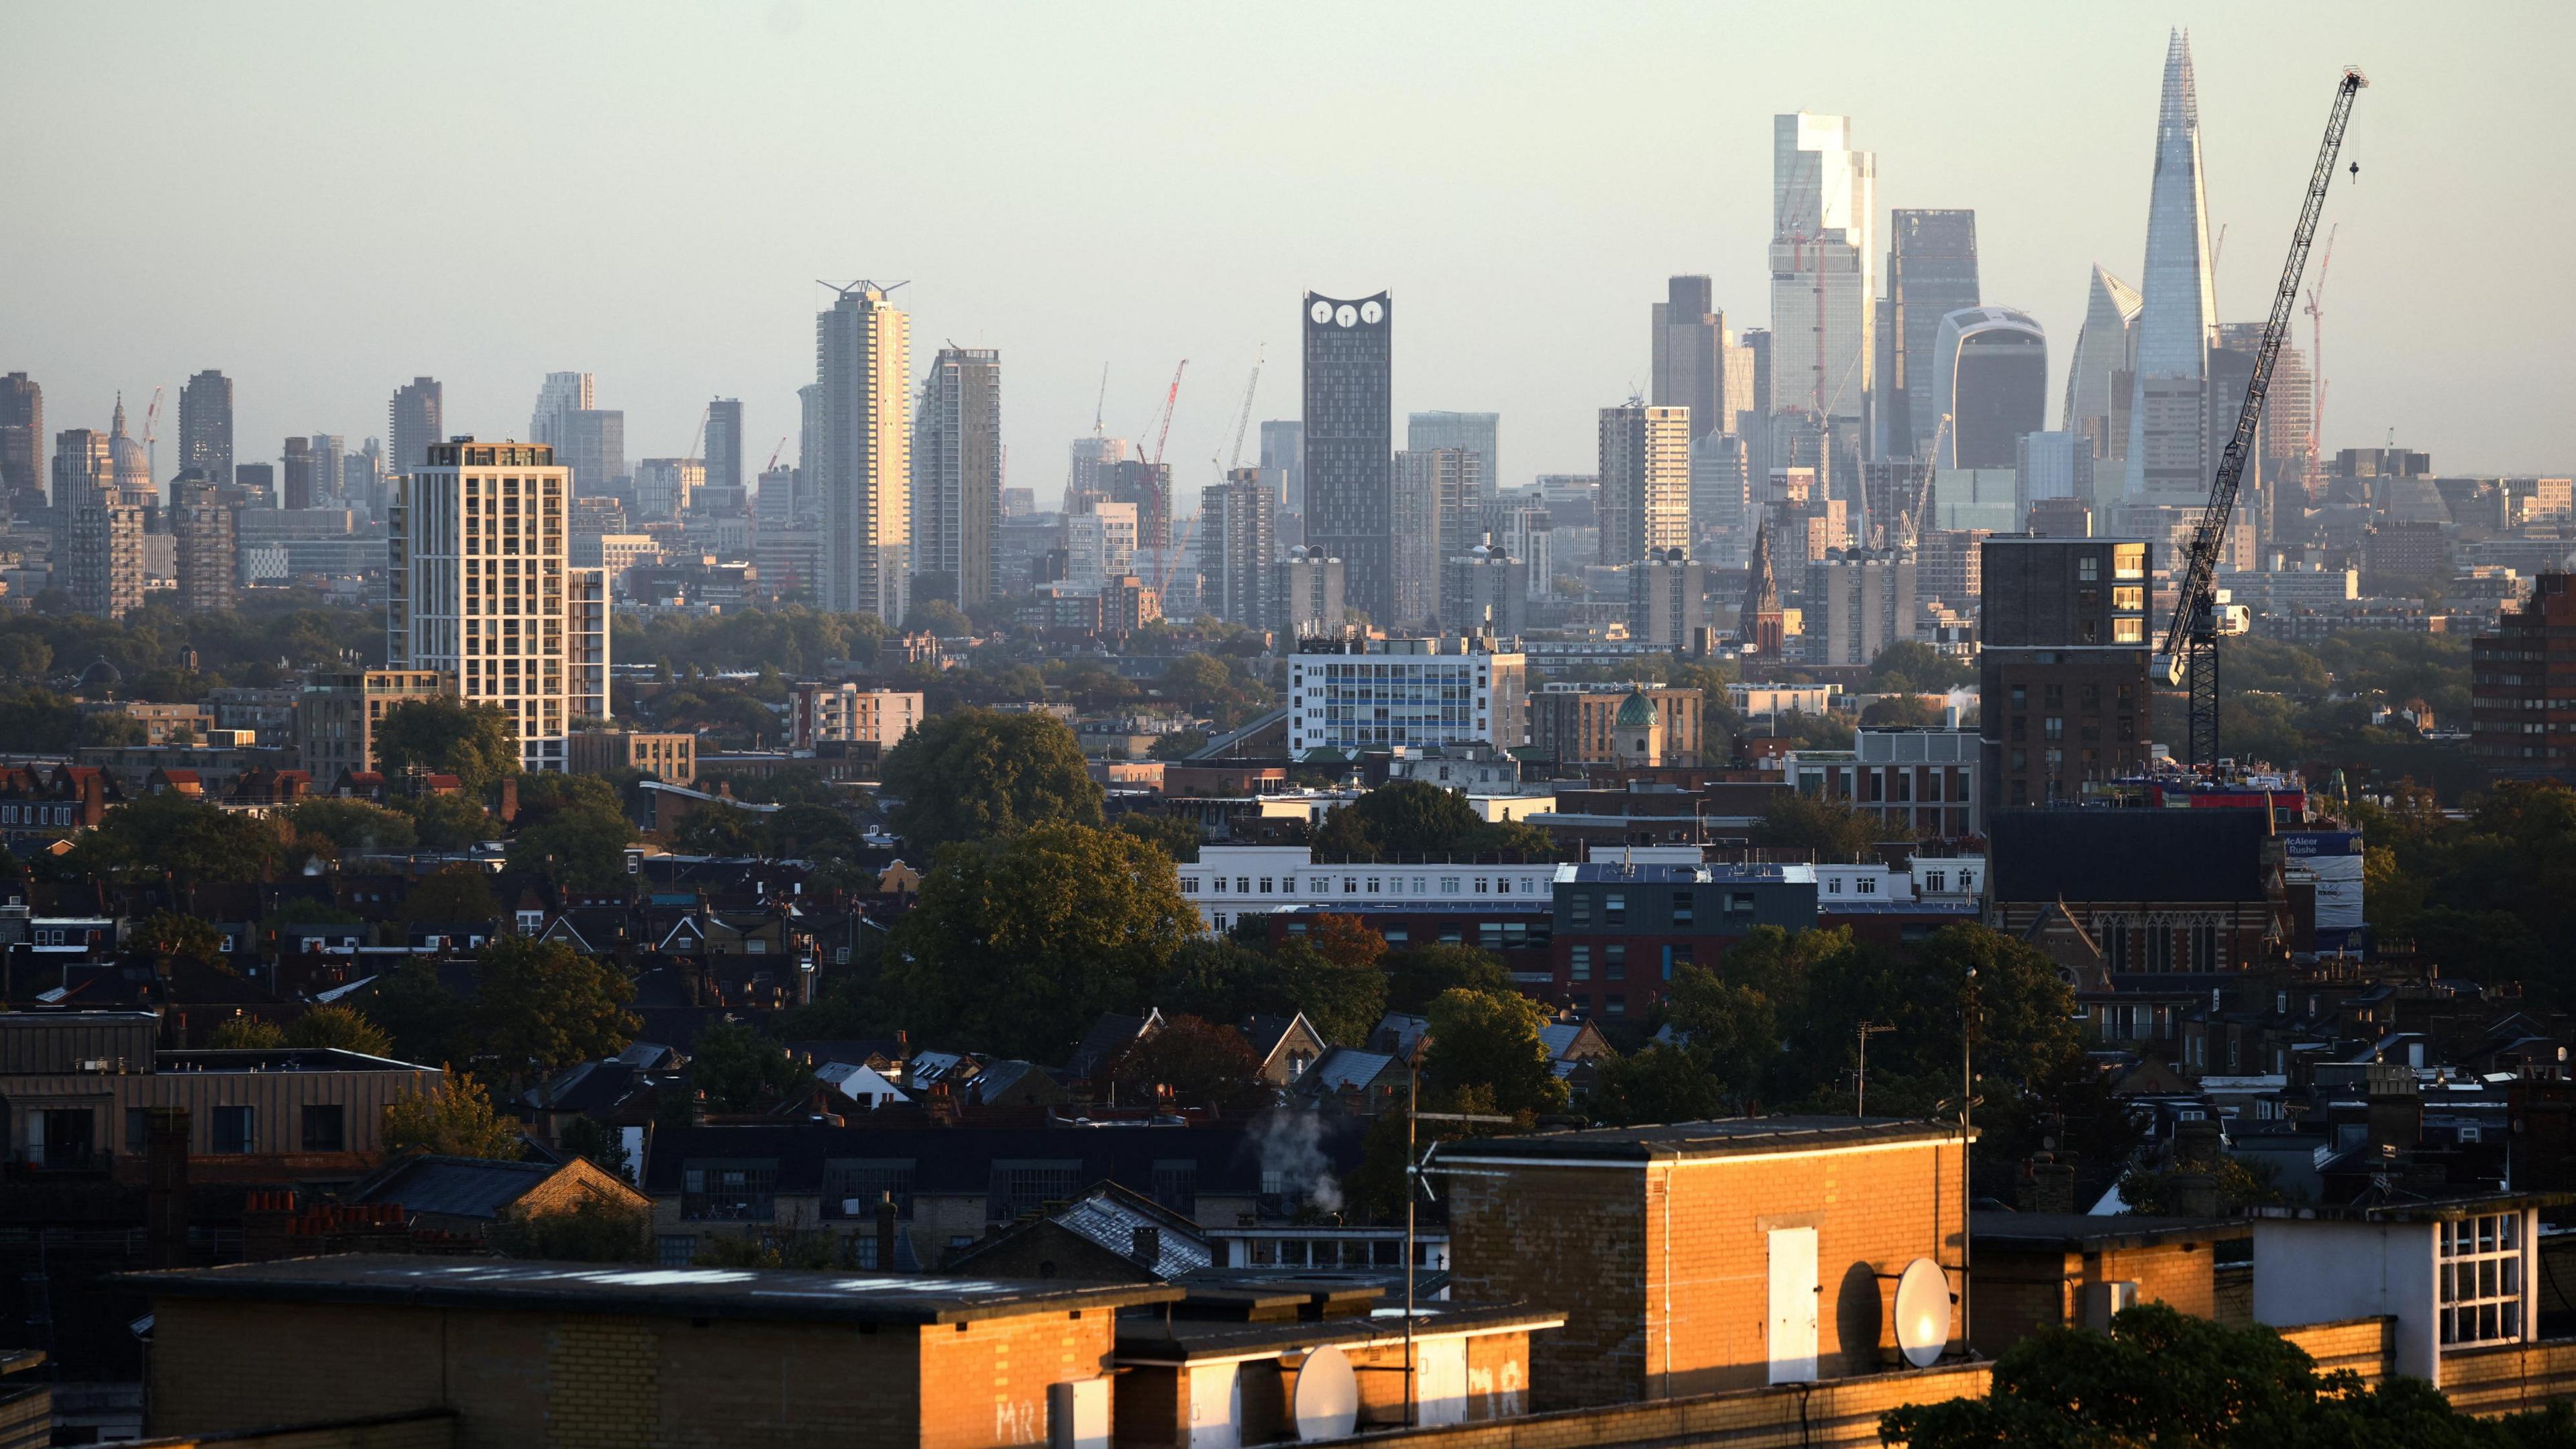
(2053, 201)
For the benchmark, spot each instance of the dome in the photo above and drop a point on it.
(1635, 711)
(102, 675)
(128, 463)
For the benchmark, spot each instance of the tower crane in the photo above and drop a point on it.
(2190, 652)
(152, 433)
(1154, 473)
(2316, 310)
(1170, 400)
(1100, 401)
(1243, 419)
(776, 453)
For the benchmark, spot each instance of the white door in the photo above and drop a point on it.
(1793, 1305)
(1440, 1387)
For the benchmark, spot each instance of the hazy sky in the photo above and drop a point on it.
(324, 200)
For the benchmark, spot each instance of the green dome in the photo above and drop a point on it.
(1635, 711)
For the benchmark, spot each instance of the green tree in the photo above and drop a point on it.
(1202, 1063)
(354, 824)
(1660, 1084)
(453, 1119)
(340, 1028)
(806, 831)
(716, 828)
(453, 892)
(572, 829)
(604, 1145)
(472, 741)
(1837, 833)
(978, 775)
(540, 1006)
(1489, 1040)
(238, 1033)
(173, 936)
(449, 822)
(1017, 944)
(2161, 1377)
(1911, 667)
(1342, 998)
(593, 1230)
(1172, 834)
(429, 1024)
(182, 840)
(38, 719)
(738, 1068)
(1415, 977)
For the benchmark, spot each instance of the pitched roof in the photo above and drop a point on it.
(1112, 1034)
(457, 1187)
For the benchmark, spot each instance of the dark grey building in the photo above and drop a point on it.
(258, 484)
(1238, 522)
(1350, 442)
(206, 425)
(1283, 462)
(416, 415)
(1689, 355)
(595, 446)
(22, 441)
(724, 443)
(1990, 374)
(1485, 590)
(302, 474)
(956, 475)
(1931, 272)
(2062, 677)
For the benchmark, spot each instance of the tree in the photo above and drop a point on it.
(428, 1022)
(1342, 998)
(1173, 835)
(604, 1145)
(1017, 944)
(453, 1119)
(340, 1028)
(1660, 1084)
(449, 822)
(1417, 976)
(354, 824)
(1203, 1063)
(1731, 1028)
(572, 829)
(977, 775)
(1832, 829)
(239, 1033)
(540, 1006)
(1911, 667)
(716, 828)
(173, 936)
(1347, 941)
(1489, 1040)
(737, 1068)
(180, 839)
(448, 736)
(806, 831)
(453, 892)
(593, 1230)
(2161, 1377)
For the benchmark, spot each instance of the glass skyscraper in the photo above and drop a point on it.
(1931, 272)
(2169, 453)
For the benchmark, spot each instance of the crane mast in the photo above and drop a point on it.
(2191, 637)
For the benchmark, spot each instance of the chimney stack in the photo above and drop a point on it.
(885, 1232)
(1148, 1249)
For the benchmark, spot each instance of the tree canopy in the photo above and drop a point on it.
(1489, 1040)
(975, 774)
(445, 735)
(540, 1006)
(1414, 818)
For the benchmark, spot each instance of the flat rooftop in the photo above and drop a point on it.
(1683, 1141)
(393, 1280)
(2081, 1232)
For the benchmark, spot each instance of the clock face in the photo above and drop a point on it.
(1322, 313)
(1372, 313)
(1348, 315)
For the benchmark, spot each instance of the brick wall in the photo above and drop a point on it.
(1825, 1416)
(2513, 1379)
(433, 1430)
(985, 1384)
(1664, 1274)
(2363, 1345)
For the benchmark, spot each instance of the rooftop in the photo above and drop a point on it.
(1682, 1141)
(771, 1294)
(2081, 1232)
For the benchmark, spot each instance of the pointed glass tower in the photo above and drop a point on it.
(2103, 362)
(2168, 462)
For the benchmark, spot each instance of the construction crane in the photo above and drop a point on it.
(1154, 474)
(1100, 402)
(700, 434)
(2316, 310)
(152, 434)
(776, 453)
(1170, 400)
(2191, 637)
(1243, 419)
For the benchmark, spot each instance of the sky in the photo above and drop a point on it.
(324, 201)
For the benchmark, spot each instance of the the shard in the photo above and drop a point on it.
(2168, 462)
(2098, 383)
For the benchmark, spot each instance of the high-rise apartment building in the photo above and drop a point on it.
(724, 443)
(2100, 380)
(862, 472)
(1148, 487)
(594, 449)
(2169, 449)
(563, 394)
(1283, 462)
(299, 474)
(1990, 375)
(1308, 592)
(1485, 591)
(22, 441)
(414, 421)
(1931, 272)
(1858, 602)
(1350, 452)
(206, 425)
(81, 463)
(1478, 433)
(1087, 469)
(1689, 355)
(1437, 511)
(666, 488)
(1823, 267)
(2062, 674)
(1667, 598)
(1238, 531)
(2289, 409)
(329, 453)
(957, 473)
(2520, 724)
(1645, 481)
(1099, 544)
(479, 589)
(1722, 501)
(205, 518)
(99, 552)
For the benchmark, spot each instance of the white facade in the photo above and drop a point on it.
(479, 589)
(2453, 1277)
(1099, 545)
(666, 487)
(860, 465)
(844, 711)
(564, 394)
(1645, 498)
(1405, 692)
(1229, 880)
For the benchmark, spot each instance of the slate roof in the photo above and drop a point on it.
(2126, 855)
(456, 1187)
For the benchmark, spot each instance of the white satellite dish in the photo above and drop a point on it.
(1923, 1312)
(1327, 1404)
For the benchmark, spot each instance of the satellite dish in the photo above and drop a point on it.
(1327, 1403)
(1922, 1312)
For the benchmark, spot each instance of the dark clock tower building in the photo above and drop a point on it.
(1350, 444)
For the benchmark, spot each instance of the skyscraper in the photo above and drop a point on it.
(666, 488)
(1478, 433)
(2168, 460)
(329, 451)
(1350, 437)
(297, 468)
(1149, 487)
(1437, 507)
(563, 394)
(412, 422)
(1283, 462)
(1087, 464)
(1823, 264)
(1990, 375)
(81, 463)
(206, 425)
(1237, 535)
(862, 470)
(724, 443)
(1689, 355)
(1931, 272)
(537, 644)
(957, 473)
(205, 517)
(22, 441)
(593, 446)
(2099, 380)
(1645, 481)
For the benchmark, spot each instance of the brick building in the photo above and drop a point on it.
(1575, 723)
(1704, 1256)
(1621, 930)
(2062, 678)
(2156, 890)
(2042, 1270)
(2522, 685)
(669, 758)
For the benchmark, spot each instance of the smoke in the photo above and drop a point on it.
(1291, 1147)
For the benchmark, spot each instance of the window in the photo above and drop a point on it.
(2088, 569)
(852, 1187)
(1578, 908)
(2128, 631)
(1614, 962)
(1579, 963)
(1025, 1187)
(2481, 1279)
(1265, 885)
(1189, 885)
(1176, 1184)
(1932, 882)
(326, 1129)
(1614, 908)
(675, 1250)
(728, 1192)
(1449, 885)
(235, 1130)
(1867, 885)
(138, 1129)
(1681, 908)
(2129, 561)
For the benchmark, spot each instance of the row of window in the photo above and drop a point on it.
(1613, 906)
(1244, 885)
(747, 1192)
